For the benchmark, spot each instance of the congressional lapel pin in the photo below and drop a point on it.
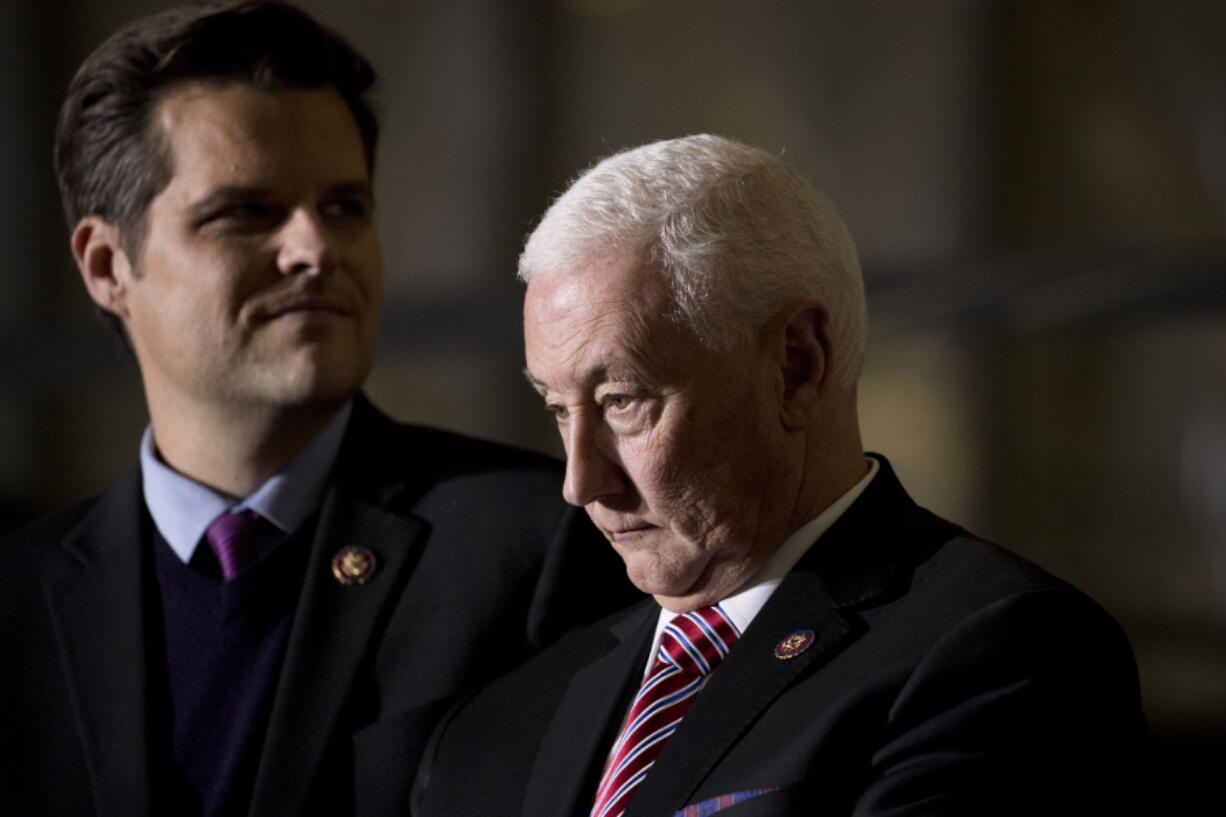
(354, 565)
(794, 644)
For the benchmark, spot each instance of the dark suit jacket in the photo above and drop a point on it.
(946, 677)
(481, 564)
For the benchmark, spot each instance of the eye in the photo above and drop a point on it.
(618, 402)
(244, 217)
(557, 410)
(354, 207)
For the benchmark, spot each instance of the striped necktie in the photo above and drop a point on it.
(230, 538)
(690, 647)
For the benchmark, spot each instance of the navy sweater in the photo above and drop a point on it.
(223, 646)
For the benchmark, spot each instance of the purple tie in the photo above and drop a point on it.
(229, 536)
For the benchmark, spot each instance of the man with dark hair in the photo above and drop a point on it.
(817, 643)
(268, 616)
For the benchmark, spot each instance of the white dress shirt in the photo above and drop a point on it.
(182, 508)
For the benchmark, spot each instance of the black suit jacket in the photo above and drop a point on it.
(946, 677)
(481, 564)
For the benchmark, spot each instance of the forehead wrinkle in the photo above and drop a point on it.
(622, 362)
(605, 321)
(624, 338)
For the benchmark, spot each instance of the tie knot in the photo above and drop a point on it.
(696, 642)
(230, 536)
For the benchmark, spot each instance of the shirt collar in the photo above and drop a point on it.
(182, 508)
(743, 605)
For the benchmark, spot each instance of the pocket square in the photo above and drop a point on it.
(707, 807)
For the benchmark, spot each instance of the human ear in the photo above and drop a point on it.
(802, 344)
(103, 263)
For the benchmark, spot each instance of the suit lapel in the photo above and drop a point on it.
(856, 562)
(97, 601)
(574, 749)
(334, 627)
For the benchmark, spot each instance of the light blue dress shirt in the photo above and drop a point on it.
(182, 508)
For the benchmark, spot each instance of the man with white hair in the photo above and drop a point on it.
(816, 643)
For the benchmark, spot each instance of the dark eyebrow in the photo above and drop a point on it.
(221, 196)
(362, 189)
(232, 193)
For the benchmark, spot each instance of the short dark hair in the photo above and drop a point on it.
(111, 163)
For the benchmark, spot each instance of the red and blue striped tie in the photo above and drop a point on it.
(691, 646)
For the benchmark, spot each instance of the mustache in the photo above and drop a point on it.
(313, 296)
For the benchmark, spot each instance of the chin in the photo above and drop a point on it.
(322, 375)
(648, 575)
(314, 387)
(685, 603)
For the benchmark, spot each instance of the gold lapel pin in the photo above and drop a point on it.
(354, 565)
(794, 644)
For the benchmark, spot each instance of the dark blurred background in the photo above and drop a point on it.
(1038, 190)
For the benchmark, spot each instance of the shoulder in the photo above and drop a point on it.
(453, 455)
(26, 545)
(524, 704)
(930, 605)
(1023, 673)
(430, 468)
(378, 442)
(889, 550)
(976, 628)
(968, 670)
(956, 588)
(969, 576)
(495, 516)
(32, 556)
(533, 690)
(579, 647)
(535, 687)
(980, 571)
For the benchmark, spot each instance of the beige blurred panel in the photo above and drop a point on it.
(1111, 471)
(1099, 123)
(1111, 447)
(1168, 380)
(881, 104)
(1183, 678)
(919, 407)
(458, 99)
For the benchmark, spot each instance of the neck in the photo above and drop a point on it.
(235, 449)
(828, 460)
(830, 475)
(832, 458)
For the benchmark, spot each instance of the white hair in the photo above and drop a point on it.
(736, 232)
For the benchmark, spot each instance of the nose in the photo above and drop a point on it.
(306, 245)
(591, 473)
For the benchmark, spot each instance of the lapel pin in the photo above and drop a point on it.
(354, 565)
(794, 644)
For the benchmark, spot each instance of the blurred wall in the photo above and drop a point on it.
(1037, 188)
